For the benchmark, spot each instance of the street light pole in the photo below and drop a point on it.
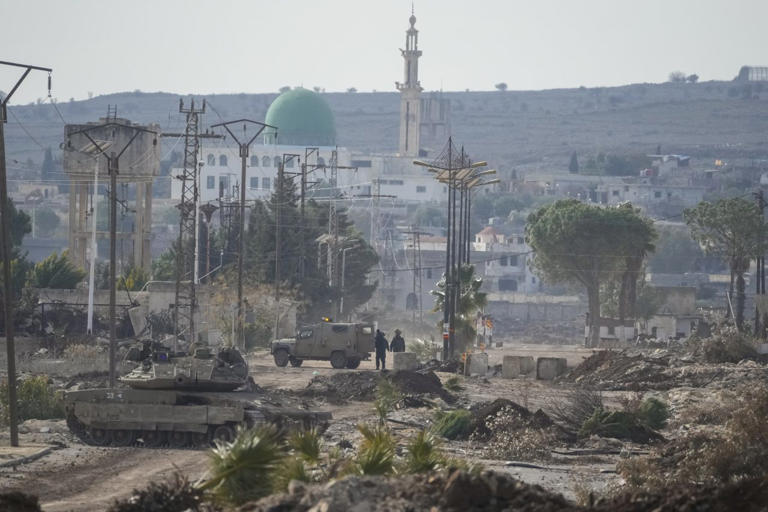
(244, 149)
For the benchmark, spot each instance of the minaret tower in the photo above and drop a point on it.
(410, 93)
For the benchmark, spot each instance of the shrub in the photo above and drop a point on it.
(56, 271)
(36, 399)
(575, 407)
(376, 454)
(387, 396)
(654, 413)
(619, 425)
(178, 495)
(244, 469)
(82, 352)
(452, 424)
(422, 454)
(453, 384)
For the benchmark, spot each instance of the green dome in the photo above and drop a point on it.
(302, 118)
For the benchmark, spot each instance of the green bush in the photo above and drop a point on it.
(36, 399)
(56, 271)
(654, 413)
(257, 334)
(452, 424)
(376, 454)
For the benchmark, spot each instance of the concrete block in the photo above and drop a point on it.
(514, 366)
(510, 367)
(404, 361)
(547, 368)
(477, 364)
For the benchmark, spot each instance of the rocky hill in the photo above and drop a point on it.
(532, 129)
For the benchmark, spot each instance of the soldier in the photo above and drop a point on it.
(398, 343)
(382, 345)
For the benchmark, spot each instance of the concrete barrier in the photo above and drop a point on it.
(404, 361)
(514, 366)
(477, 364)
(510, 367)
(547, 368)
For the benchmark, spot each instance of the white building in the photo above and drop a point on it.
(505, 267)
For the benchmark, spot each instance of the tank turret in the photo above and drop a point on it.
(200, 370)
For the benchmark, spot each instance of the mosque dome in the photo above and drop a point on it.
(302, 118)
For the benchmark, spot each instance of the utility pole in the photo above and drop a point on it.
(208, 209)
(113, 167)
(244, 147)
(187, 242)
(417, 271)
(5, 235)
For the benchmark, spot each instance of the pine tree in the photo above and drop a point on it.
(573, 167)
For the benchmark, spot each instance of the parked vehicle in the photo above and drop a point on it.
(343, 344)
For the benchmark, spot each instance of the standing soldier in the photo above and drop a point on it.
(382, 345)
(398, 343)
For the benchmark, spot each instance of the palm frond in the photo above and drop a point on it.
(376, 454)
(244, 469)
(306, 443)
(292, 468)
(423, 454)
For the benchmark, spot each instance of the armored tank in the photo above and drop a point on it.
(177, 400)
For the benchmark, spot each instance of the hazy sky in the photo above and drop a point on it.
(225, 46)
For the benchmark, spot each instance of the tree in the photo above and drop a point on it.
(470, 301)
(676, 253)
(48, 167)
(677, 77)
(56, 271)
(573, 166)
(133, 279)
(20, 225)
(352, 89)
(733, 229)
(574, 242)
(284, 88)
(692, 78)
(501, 86)
(46, 222)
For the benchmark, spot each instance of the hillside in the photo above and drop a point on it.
(534, 129)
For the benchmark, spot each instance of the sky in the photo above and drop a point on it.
(256, 46)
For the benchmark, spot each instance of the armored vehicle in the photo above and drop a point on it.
(177, 400)
(343, 344)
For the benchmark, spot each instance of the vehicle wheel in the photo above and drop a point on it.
(353, 363)
(123, 437)
(98, 437)
(177, 439)
(338, 360)
(295, 362)
(281, 357)
(223, 433)
(153, 438)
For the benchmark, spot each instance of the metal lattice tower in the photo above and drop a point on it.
(186, 301)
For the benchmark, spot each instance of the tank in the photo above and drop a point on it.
(178, 400)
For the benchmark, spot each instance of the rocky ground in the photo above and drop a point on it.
(535, 459)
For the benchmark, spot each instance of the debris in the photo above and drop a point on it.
(361, 386)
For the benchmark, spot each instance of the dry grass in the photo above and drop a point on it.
(574, 407)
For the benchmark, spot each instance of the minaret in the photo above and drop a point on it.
(410, 93)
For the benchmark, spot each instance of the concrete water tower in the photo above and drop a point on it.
(138, 166)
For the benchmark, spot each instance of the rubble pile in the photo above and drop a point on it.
(506, 430)
(625, 371)
(457, 491)
(362, 385)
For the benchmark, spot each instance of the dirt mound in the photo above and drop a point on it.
(15, 501)
(748, 495)
(506, 430)
(661, 371)
(87, 380)
(361, 386)
(458, 491)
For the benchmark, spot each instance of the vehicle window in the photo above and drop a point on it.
(339, 328)
(367, 329)
(305, 334)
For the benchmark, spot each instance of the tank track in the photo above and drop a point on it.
(149, 439)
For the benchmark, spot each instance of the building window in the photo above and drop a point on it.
(277, 161)
(421, 189)
(513, 261)
(223, 160)
(657, 194)
(361, 163)
(210, 182)
(429, 273)
(616, 193)
(265, 183)
(626, 188)
(254, 182)
(223, 185)
(520, 240)
(254, 161)
(265, 161)
(211, 160)
(611, 330)
(289, 163)
(533, 280)
(320, 161)
(503, 261)
(507, 285)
